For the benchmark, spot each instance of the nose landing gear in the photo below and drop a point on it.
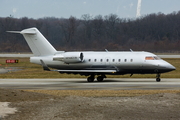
(158, 79)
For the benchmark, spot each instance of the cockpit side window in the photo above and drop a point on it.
(157, 58)
(152, 58)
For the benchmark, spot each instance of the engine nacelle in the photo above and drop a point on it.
(69, 57)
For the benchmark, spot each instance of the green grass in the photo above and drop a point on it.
(30, 70)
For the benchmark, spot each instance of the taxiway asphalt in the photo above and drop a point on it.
(82, 84)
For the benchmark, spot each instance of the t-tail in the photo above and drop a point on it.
(37, 42)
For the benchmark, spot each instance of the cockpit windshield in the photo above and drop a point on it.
(152, 58)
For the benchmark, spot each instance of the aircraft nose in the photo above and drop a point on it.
(170, 67)
(164, 66)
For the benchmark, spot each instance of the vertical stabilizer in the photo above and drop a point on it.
(37, 42)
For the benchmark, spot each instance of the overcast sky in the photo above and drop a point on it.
(76, 8)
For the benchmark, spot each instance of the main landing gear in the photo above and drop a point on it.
(91, 78)
(99, 78)
(158, 79)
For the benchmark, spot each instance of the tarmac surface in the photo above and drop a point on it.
(82, 84)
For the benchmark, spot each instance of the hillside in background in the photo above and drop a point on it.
(153, 32)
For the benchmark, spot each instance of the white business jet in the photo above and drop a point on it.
(92, 63)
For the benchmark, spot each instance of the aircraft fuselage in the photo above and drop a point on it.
(123, 62)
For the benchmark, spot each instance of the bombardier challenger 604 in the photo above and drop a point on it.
(90, 63)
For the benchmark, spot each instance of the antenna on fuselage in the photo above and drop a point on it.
(106, 50)
(131, 50)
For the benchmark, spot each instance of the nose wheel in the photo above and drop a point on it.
(158, 79)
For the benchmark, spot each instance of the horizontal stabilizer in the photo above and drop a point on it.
(29, 31)
(26, 31)
(14, 31)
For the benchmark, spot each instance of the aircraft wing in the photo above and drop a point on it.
(90, 71)
(45, 67)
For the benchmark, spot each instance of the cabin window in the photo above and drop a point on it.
(101, 60)
(113, 60)
(119, 60)
(89, 60)
(95, 60)
(107, 60)
(125, 60)
(131, 60)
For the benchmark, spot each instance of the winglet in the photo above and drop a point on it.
(45, 67)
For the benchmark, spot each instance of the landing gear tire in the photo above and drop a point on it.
(158, 79)
(100, 78)
(90, 79)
